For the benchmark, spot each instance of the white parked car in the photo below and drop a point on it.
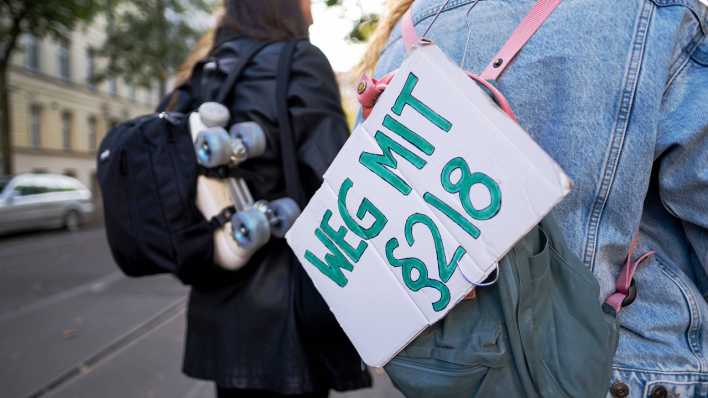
(33, 201)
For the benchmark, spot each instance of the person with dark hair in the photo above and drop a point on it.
(264, 330)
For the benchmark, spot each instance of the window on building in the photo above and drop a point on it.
(64, 59)
(113, 87)
(35, 125)
(90, 68)
(66, 127)
(31, 46)
(93, 133)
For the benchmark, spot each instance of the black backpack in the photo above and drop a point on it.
(147, 171)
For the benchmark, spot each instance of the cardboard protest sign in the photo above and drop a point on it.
(420, 204)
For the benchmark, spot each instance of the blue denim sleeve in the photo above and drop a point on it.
(359, 118)
(682, 150)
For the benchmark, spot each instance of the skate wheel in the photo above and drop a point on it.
(252, 136)
(285, 211)
(213, 114)
(213, 147)
(250, 228)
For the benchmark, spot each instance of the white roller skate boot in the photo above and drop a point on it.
(252, 224)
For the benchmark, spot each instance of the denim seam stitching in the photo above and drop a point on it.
(694, 323)
(683, 60)
(661, 372)
(430, 11)
(610, 166)
(691, 5)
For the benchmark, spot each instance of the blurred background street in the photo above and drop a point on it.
(71, 325)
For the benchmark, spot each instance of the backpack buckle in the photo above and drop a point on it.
(631, 294)
(223, 217)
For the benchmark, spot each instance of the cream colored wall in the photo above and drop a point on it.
(55, 95)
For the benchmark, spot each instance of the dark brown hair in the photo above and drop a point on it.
(264, 20)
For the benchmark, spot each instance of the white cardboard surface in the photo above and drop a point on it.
(375, 306)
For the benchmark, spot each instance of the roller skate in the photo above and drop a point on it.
(248, 225)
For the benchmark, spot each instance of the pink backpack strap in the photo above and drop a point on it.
(369, 89)
(528, 26)
(623, 286)
(408, 33)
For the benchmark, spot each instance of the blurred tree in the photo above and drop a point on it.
(39, 18)
(148, 39)
(364, 26)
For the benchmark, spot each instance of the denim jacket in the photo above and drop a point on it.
(616, 91)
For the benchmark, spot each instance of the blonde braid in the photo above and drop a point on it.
(396, 9)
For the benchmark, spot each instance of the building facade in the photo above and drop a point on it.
(58, 115)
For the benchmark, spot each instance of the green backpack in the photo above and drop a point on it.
(540, 331)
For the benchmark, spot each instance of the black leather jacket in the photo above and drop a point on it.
(265, 326)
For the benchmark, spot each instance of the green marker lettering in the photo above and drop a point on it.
(409, 135)
(422, 281)
(338, 238)
(334, 260)
(406, 98)
(445, 269)
(382, 164)
(464, 185)
(452, 214)
(365, 207)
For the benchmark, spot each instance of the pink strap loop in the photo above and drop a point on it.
(528, 26)
(408, 33)
(496, 94)
(369, 89)
(624, 280)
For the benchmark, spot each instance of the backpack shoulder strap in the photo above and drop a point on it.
(287, 141)
(228, 85)
(518, 39)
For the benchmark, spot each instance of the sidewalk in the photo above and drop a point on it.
(72, 326)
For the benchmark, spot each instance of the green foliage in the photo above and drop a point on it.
(41, 18)
(148, 39)
(363, 28)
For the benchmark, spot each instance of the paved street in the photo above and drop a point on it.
(72, 326)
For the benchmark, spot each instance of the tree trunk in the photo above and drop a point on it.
(163, 88)
(5, 121)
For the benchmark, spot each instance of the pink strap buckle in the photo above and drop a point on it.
(522, 34)
(625, 281)
(369, 89)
